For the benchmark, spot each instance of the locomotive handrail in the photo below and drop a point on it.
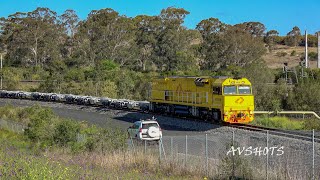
(288, 112)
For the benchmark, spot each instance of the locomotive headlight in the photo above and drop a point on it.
(250, 112)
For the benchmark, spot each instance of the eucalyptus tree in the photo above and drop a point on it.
(256, 29)
(70, 21)
(225, 45)
(148, 29)
(211, 31)
(240, 48)
(106, 35)
(293, 37)
(33, 38)
(172, 41)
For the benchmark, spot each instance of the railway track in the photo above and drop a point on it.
(306, 136)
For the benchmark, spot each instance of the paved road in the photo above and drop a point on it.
(106, 117)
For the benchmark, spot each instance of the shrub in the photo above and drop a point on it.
(41, 127)
(71, 88)
(313, 56)
(310, 124)
(44, 129)
(75, 74)
(65, 132)
(48, 85)
(281, 54)
(108, 89)
(11, 79)
(293, 53)
(109, 65)
(302, 97)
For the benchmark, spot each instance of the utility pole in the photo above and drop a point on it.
(306, 49)
(318, 35)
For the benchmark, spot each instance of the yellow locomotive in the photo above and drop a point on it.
(212, 98)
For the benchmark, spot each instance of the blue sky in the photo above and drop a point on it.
(280, 15)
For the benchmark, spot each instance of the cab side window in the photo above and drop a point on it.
(217, 90)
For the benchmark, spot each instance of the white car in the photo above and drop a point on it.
(148, 130)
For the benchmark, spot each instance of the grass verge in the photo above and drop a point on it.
(50, 149)
(19, 161)
(287, 123)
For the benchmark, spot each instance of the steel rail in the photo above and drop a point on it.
(280, 132)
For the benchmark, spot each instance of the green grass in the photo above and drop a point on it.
(287, 123)
(280, 123)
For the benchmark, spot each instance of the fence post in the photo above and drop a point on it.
(267, 165)
(185, 158)
(233, 165)
(313, 151)
(207, 164)
(160, 143)
(171, 147)
(145, 146)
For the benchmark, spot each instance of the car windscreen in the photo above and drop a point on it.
(244, 90)
(147, 125)
(230, 90)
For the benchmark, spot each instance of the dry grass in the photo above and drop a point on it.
(146, 164)
(274, 61)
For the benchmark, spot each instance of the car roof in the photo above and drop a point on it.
(148, 121)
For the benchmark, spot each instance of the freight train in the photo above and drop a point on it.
(209, 98)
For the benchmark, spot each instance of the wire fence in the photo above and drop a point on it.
(232, 153)
(241, 154)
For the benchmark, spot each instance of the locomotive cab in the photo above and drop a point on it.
(238, 101)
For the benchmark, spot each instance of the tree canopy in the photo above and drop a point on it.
(158, 43)
(109, 54)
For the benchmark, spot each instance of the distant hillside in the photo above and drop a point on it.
(291, 55)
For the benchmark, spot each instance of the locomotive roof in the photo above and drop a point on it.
(216, 80)
(215, 77)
